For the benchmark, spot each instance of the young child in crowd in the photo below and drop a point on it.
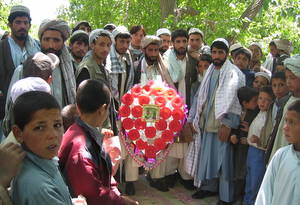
(38, 127)
(281, 92)
(203, 64)
(281, 183)
(261, 79)
(292, 73)
(248, 99)
(242, 60)
(259, 132)
(85, 164)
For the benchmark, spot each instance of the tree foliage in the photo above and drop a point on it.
(4, 11)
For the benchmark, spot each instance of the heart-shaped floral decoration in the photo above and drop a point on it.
(151, 117)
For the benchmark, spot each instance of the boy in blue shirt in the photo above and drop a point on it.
(38, 127)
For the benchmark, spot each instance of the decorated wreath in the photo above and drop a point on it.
(151, 117)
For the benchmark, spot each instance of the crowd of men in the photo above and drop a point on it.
(236, 111)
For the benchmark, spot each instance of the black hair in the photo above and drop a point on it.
(245, 94)
(29, 103)
(294, 106)
(69, 114)
(278, 75)
(91, 95)
(272, 43)
(34, 68)
(243, 51)
(267, 89)
(109, 27)
(137, 28)
(220, 45)
(123, 35)
(83, 38)
(205, 57)
(14, 15)
(179, 33)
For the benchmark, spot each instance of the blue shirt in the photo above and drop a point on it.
(40, 182)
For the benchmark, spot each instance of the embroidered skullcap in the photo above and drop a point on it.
(293, 64)
(78, 33)
(163, 31)
(235, 47)
(29, 84)
(19, 8)
(221, 40)
(45, 62)
(120, 30)
(263, 74)
(148, 39)
(196, 30)
(97, 32)
(283, 44)
(55, 24)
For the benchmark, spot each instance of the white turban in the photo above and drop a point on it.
(55, 24)
(97, 32)
(293, 64)
(120, 30)
(29, 84)
(164, 31)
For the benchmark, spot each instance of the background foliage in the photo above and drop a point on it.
(216, 18)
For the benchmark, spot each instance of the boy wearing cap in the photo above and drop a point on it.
(292, 74)
(212, 165)
(15, 49)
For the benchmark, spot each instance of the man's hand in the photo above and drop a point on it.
(11, 157)
(129, 201)
(224, 133)
(107, 132)
(234, 139)
(80, 200)
(254, 139)
(243, 140)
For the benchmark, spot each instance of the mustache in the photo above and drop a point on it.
(22, 30)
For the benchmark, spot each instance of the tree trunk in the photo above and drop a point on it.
(167, 7)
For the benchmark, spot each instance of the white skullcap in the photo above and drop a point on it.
(263, 74)
(196, 30)
(28, 84)
(162, 31)
(222, 40)
(148, 39)
(120, 30)
(97, 32)
(235, 46)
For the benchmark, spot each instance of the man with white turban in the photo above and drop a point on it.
(53, 34)
(292, 66)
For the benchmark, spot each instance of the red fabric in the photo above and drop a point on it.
(83, 175)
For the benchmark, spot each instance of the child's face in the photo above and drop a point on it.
(292, 81)
(241, 61)
(279, 88)
(291, 127)
(42, 135)
(264, 101)
(260, 82)
(256, 52)
(252, 104)
(202, 66)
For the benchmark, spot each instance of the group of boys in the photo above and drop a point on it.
(99, 67)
